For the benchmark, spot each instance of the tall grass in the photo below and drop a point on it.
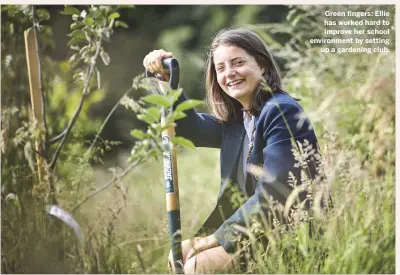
(352, 111)
(350, 101)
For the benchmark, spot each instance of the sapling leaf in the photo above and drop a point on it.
(98, 79)
(176, 115)
(43, 14)
(29, 155)
(11, 196)
(183, 142)
(68, 10)
(83, 13)
(157, 100)
(168, 125)
(110, 26)
(76, 25)
(139, 134)
(188, 104)
(154, 112)
(120, 23)
(146, 118)
(75, 41)
(105, 57)
(77, 34)
(88, 20)
(174, 95)
(72, 58)
(114, 15)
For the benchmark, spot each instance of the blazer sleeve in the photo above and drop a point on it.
(278, 161)
(202, 129)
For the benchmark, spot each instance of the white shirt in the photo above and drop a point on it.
(248, 121)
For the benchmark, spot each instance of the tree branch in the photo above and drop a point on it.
(85, 92)
(115, 179)
(106, 120)
(57, 138)
(98, 135)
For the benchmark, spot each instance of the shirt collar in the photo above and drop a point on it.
(248, 121)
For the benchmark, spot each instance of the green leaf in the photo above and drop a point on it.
(68, 10)
(114, 15)
(158, 100)
(105, 34)
(77, 34)
(189, 104)
(98, 79)
(47, 30)
(72, 58)
(154, 112)
(43, 14)
(176, 115)
(139, 134)
(122, 24)
(11, 196)
(29, 155)
(168, 125)
(105, 57)
(76, 25)
(75, 41)
(111, 24)
(174, 94)
(184, 142)
(88, 20)
(146, 118)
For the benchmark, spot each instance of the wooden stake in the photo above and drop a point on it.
(32, 59)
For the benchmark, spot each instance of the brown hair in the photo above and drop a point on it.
(226, 108)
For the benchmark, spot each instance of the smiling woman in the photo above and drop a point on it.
(255, 123)
(238, 73)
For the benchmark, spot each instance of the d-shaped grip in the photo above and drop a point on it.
(172, 65)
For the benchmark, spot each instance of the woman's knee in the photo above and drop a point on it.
(214, 260)
(190, 266)
(186, 246)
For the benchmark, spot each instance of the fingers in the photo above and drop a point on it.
(199, 245)
(192, 252)
(153, 61)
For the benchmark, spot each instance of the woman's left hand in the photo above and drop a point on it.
(201, 245)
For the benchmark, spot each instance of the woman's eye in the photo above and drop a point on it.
(238, 62)
(219, 69)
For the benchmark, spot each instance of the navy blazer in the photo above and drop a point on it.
(272, 149)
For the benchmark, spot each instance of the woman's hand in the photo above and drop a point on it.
(153, 61)
(202, 244)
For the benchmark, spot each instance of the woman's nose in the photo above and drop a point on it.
(229, 72)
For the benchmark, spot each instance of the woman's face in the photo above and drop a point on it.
(238, 73)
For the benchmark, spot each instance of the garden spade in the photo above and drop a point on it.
(171, 172)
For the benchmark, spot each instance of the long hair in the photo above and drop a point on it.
(228, 109)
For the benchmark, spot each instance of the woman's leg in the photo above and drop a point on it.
(186, 246)
(213, 260)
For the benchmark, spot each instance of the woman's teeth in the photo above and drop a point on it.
(234, 83)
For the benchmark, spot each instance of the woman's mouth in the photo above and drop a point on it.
(235, 83)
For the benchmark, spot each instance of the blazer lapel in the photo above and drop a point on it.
(251, 181)
(256, 145)
(230, 151)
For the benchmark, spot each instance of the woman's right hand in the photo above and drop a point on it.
(152, 62)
